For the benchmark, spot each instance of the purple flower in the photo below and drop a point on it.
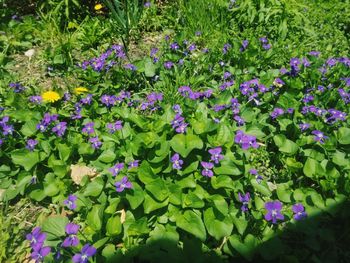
(181, 128)
(314, 53)
(168, 64)
(7, 129)
(147, 4)
(70, 202)
(244, 46)
(108, 100)
(67, 96)
(304, 126)
(244, 199)
(239, 120)
(226, 48)
(31, 143)
(17, 87)
(36, 238)
(116, 168)
(38, 255)
(87, 100)
(35, 99)
(216, 155)
(133, 164)
(290, 110)
(307, 98)
(276, 112)
(177, 108)
(89, 128)
(86, 252)
(278, 82)
(174, 46)
(60, 128)
(131, 67)
(246, 140)
(319, 136)
(113, 127)
(207, 169)
(273, 211)
(124, 183)
(71, 240)
(177, 162)
(258, 177)
(299, 212)
(192, 47)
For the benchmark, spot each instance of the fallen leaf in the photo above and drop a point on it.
(79, 171)
(29, 53)
(122, 216)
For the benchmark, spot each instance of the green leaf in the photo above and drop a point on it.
(55, 226)
(240, 222)
(25, 158)
(29, 128)
(312, 168)
(261, 188)
(94, 188)
(113, 226)
(184, 144)
(192, 223)
(135, 196)
(187, 182)
(107, 156)
(150, 68)
(158, 189)
(37, 195)
(285, 145)
(246, 248)
(222, 181)
(94, 217)
(217, 225)
(192, 200)
(138, 227)
(150, 204)
(145, 173)
(284, 193)
(64, 151)
(343, 135)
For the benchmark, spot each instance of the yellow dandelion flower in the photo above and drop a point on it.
(80, 90)
(98, 7)
(50, 96)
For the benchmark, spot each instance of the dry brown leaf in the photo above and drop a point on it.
(79, 171)
(122, 216)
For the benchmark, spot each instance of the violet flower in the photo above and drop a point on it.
(216, 155)
(113, 127)
(319, 136)
(299, 212)
(86, 252)
(35, 99)
(176, 161)
(40, 254)
(89, 128)
(71, 240)
(246, 140)
(36, 238)
(133, 164)
(124, 183)
(207, 169)
(70, 202)
(60, 128)
(31, 143)
(304, 126)
(116, 169)
(273, 211)
(244, 199)
(276, 112)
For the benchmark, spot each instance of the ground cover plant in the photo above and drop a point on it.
(193, 149)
